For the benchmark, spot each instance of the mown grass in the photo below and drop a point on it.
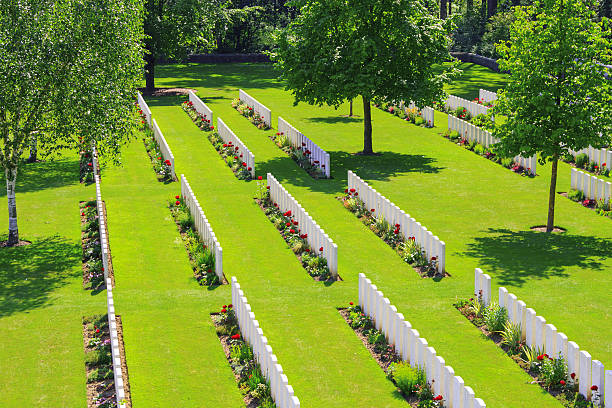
(482, 211)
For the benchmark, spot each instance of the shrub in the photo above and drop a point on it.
(97, 357)
(454, 135)
(602, 205)
(530, 355)
(507, 163)
(575, 195)
(568, 157)
(495, 317)
(479, 149)
(407, 378)
(581, 160)
(185, 221)
(100, 374)
(552, 371)
(419, 121)
(241, 352)
(378, 340)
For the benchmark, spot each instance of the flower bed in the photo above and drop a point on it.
(548, 372)
(161, 167)
(411, 382)
(200, 256)
(315, 265)
(301, 155)
(198, 118)
(247, 372)
(410, 251)
(228, 153)
(250, 114)
(599, 206)
(411, 115)
(487, 152)
(93, 268)
(98, 362)
(86, 169)
(582, 161)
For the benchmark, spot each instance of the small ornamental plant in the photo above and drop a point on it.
(250, 114)
(93, 268)
(301, 155)
(200, 119)
(249, 377)
(100, 378)
(86, 166)
(407, 248)
(201, 257)
(601, 206)
(233, 156)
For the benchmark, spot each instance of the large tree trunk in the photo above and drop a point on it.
(367, 126)
(450, 7)
(351, 108)
(11, 179)
(150, 71)
(33, 148)
(491, 7)
(443, 9)
(550, 225)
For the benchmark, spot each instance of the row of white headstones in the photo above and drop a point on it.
(546, 338)
(415, 349)
(110, 303)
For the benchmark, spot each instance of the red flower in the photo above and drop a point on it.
(243, 164)
(224, 306)
(321, 249)
(573, 375)
(307, 249)
(594, 388)
(90, 165)
(97, 330)
(397, 225)
(236, 337)
(540, 357)
(288, 224)
(267, 187)
(276, 205)
(372, 210)
(305, 235)
(177, 202)
(346, 190)
(212, 127)
(292, 231)
(236, 147)
(230, 306)
(224, 144)
(235, 157)
(223, 310)
(438, 398)
(177, 197)
(562, 382)
(295, 223)
(159, 158)
(351, 303)
(249, 169)
(168, 163)
(356, 194)
(259, 178)
(352, 190)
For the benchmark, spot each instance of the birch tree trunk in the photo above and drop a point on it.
(11, 179)
(33, 148)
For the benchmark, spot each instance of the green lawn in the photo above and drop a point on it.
(482, 211)
(42, 302)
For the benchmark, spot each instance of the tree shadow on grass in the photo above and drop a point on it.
(218, 76)
(44, 175)
(515, 257)
(381, 167)
(29, 274)
(334, 119)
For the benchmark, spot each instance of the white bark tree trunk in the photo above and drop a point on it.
(11, 179)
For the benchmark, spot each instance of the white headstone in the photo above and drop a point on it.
(551, 340)
(503, 295)
(511, 308)
(468, 397)
(438, 384)
(608, 389)
(573, 358)
(530, 316)
(585, 374)
(598, 377)
(449, 373)
(521, 317)
(458, 385)
(540, 333)
(561, 345)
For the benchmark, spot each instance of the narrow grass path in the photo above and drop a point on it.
(173, 354)
(481, 210)
(42, 301)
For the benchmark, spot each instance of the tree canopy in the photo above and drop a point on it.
(336, 50)
(68, 73)
(558, 97)
(175, 28)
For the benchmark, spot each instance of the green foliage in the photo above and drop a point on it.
(495, 317)
(378, 340)
(575, 195)
(100, 374)
(479, 149)
(98, 357)
(530, 355)
(552, 371)
(337, 50)
(557, 97)
(507, 162)
(512, 337)
(497, 30)
(241, 352)
(407, 378)
(581, 160)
